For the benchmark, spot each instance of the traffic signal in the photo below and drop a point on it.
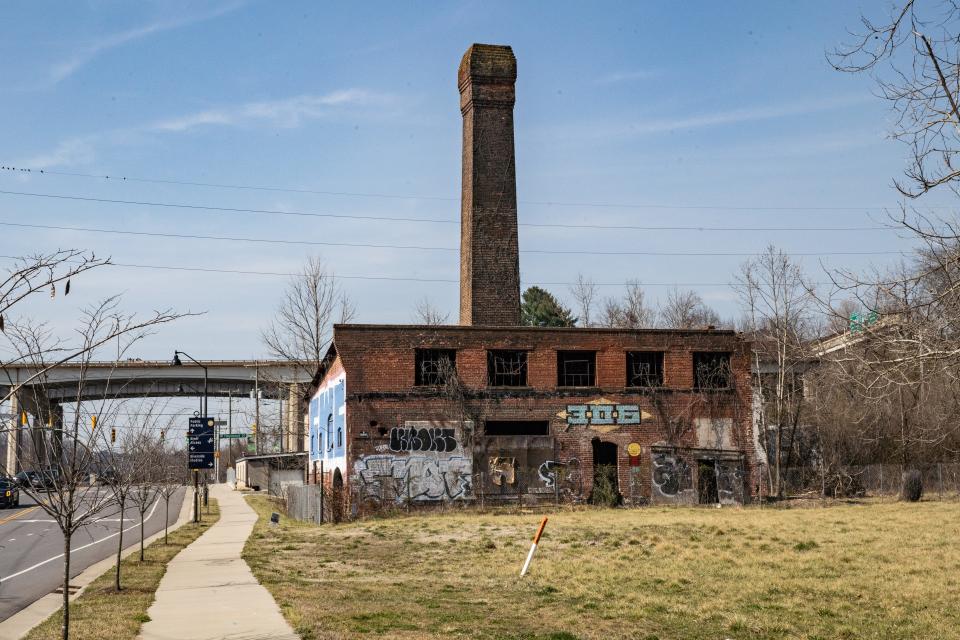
(113, 435)
(253, 429)
(93, 421)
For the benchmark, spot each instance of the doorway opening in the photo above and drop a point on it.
(606, 486)
(707, 482)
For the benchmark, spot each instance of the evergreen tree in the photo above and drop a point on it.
(540, 309)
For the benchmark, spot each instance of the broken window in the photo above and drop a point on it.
(507, 368)
(516, 428)
(576, 368)
(711, 370)
(645, 368)
(433, 366)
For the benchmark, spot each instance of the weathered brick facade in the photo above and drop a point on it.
(489, 254)
(492, 411)
(383, 404)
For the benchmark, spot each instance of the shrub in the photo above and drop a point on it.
(912, 488)
(605, 492)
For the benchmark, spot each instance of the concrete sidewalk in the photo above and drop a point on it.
(209, 592)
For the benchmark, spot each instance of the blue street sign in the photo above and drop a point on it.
(200, 443)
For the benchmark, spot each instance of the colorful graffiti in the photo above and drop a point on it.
(398, 478)
(428, 439)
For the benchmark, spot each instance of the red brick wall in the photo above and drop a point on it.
(379, 361)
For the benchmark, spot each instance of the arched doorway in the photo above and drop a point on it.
(337, 496)
(606, 484)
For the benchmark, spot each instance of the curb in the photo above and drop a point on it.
(21, 623)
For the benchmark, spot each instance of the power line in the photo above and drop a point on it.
(409, 279)
(553, 225)
(555, 203)
(367, 245)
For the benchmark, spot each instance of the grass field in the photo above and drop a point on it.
(846, 571)
(101, 613)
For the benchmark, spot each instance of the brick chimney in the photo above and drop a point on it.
(489, 254)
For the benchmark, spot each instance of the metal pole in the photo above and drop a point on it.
(283, 432)
(256, 419)
(196, 496)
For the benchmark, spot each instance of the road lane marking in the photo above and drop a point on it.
(18, 514)
(58, 556)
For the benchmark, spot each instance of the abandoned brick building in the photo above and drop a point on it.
(491, 410)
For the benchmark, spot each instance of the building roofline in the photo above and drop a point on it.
(453, 328)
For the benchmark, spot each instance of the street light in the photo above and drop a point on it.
(203, 407)
(177, 363)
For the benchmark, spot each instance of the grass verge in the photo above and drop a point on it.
(102, 613)
(848, 571)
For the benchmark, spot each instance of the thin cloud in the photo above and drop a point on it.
(83, 56)
(286, 113)
(655, 126)
(70, 152)
(618, 77)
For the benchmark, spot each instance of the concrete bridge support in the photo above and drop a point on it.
(39, 443)
(293, 417)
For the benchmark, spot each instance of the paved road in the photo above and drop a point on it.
(31, 547)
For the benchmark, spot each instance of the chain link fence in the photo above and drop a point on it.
(940, 480)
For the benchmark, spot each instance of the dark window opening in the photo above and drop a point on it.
(507, 368)
(516, 428)
(576, 368)
(339, 437)
(711, 370)
(644, 368)
(433, 366)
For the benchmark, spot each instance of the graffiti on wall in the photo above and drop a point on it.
(553, 471)
(426, 439)
(730, 482)
(671, 475)
(503, 470)
(422, 461)
(603, 415)
(383, 478)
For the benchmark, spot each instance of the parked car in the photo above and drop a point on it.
(9, 493)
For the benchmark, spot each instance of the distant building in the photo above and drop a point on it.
(489, 410)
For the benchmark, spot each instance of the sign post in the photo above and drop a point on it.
(200, 447)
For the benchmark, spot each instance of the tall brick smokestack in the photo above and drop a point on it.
(489, 253)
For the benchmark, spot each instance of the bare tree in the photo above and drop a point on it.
(584, 292)
(631, 312)
(780, 314)
(913, 52)
(311, 304)
(67, 450)
(425, 313)
(687, 310)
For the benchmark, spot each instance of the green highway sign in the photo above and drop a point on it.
(233, 435)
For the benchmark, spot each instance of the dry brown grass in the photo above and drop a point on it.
(100, 613)
(847, 571)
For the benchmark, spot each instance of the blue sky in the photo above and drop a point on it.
(657, 106)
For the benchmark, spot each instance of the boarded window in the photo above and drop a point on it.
(576, 368)
(433, 365)
(507, 368)
(711, 370)
(517, 428)
(644, 368)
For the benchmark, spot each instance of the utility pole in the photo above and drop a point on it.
(256, 397)
(283, 432)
